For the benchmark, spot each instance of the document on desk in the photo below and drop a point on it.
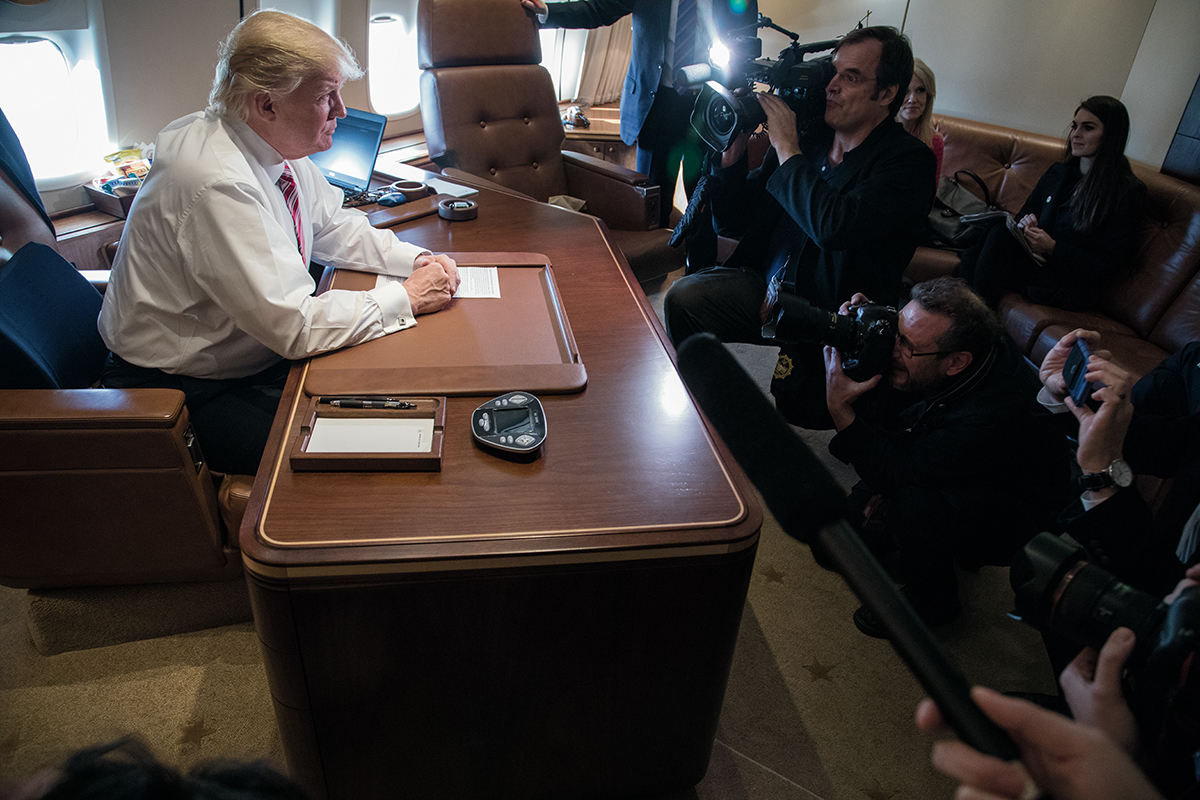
(476, 281)
(371, 435)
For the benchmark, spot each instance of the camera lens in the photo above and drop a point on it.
(720, 118)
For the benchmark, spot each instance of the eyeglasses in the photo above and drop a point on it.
(906, 347)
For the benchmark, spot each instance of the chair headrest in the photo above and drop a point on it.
(464, 33)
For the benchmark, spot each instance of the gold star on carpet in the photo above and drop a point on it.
(879, 793)
(818, 671)
(772, 575)
(194, 732)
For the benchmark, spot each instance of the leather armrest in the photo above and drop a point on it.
(89, 408)
(606, 168)
(617, 195)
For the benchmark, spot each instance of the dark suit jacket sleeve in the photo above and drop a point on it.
(1165, 432)
(586, 13)
(734, 192)
(1121, 536)
(891, 192)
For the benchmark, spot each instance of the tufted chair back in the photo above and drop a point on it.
(487, 104)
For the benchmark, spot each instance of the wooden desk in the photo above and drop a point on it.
(559, 628)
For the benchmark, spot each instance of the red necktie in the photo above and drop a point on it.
(291, 196)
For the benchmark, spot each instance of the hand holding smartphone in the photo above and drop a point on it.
(1075, 376)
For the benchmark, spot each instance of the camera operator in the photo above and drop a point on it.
(841, 211)
(957, 460)
(1153, 429)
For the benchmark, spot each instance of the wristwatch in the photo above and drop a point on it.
(1117, 474)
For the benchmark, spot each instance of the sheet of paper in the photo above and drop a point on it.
(371, 435)
(454, 189)
(476, 281)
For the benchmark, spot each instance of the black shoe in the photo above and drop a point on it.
(869, 623)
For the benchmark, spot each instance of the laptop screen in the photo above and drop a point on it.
(349, 162)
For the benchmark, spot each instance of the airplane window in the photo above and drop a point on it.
(57, 111)
(392, 48)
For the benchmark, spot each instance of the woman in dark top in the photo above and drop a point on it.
(1083, 218)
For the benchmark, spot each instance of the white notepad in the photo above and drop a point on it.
(371, 435)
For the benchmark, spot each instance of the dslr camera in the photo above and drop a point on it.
(866, 337)
(1058, 589)
(720, 114)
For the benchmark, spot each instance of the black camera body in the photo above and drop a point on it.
(720, 114)
(1058, 589)
(866, 337)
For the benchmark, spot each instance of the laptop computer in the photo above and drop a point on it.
(348, 164)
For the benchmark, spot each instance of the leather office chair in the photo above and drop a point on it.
(98, 486)
(489, 110)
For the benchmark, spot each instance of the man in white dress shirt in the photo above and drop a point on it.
(210, 290)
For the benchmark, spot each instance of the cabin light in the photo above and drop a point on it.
(718, 54)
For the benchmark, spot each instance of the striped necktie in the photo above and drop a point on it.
(685, 35)
(291, 196)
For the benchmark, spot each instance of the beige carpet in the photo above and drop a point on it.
(814, 709)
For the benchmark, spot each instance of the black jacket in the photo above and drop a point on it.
(853, 231)
(1082, 264)
(984, 444)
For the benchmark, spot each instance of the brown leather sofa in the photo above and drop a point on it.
(1151, 312)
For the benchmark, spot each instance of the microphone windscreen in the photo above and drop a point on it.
(693, 74)
(796, 487)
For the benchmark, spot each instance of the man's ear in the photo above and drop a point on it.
(957, 361)
(262, 106)
(888, 95)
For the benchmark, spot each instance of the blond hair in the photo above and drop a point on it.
(923, 129)
(274, 52)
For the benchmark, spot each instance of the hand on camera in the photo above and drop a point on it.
(1091, 684)
(781, 126)
(840, 391)
(1052, 365)
(859, 299)
(1067, 760)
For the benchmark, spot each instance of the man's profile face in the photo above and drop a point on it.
(919, 332)
(851, 98)
(304, 121)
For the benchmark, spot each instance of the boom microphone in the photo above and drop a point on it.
(693, 74)
(809, 505)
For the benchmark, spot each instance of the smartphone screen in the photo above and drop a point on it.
(1075, 375)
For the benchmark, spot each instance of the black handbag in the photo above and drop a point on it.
(945, 226)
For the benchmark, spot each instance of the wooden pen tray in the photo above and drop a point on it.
(336, 439)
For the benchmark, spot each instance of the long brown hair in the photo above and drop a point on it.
(1096, 195)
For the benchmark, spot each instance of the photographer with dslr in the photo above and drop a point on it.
(840, 211)
(957, 461)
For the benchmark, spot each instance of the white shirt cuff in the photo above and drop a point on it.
(394, 305)
(1053, 406)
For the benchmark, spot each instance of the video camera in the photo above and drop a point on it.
(720, 114)
(1058, 589)
(866, 337)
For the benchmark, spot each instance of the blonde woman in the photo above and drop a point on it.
(916, 114)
